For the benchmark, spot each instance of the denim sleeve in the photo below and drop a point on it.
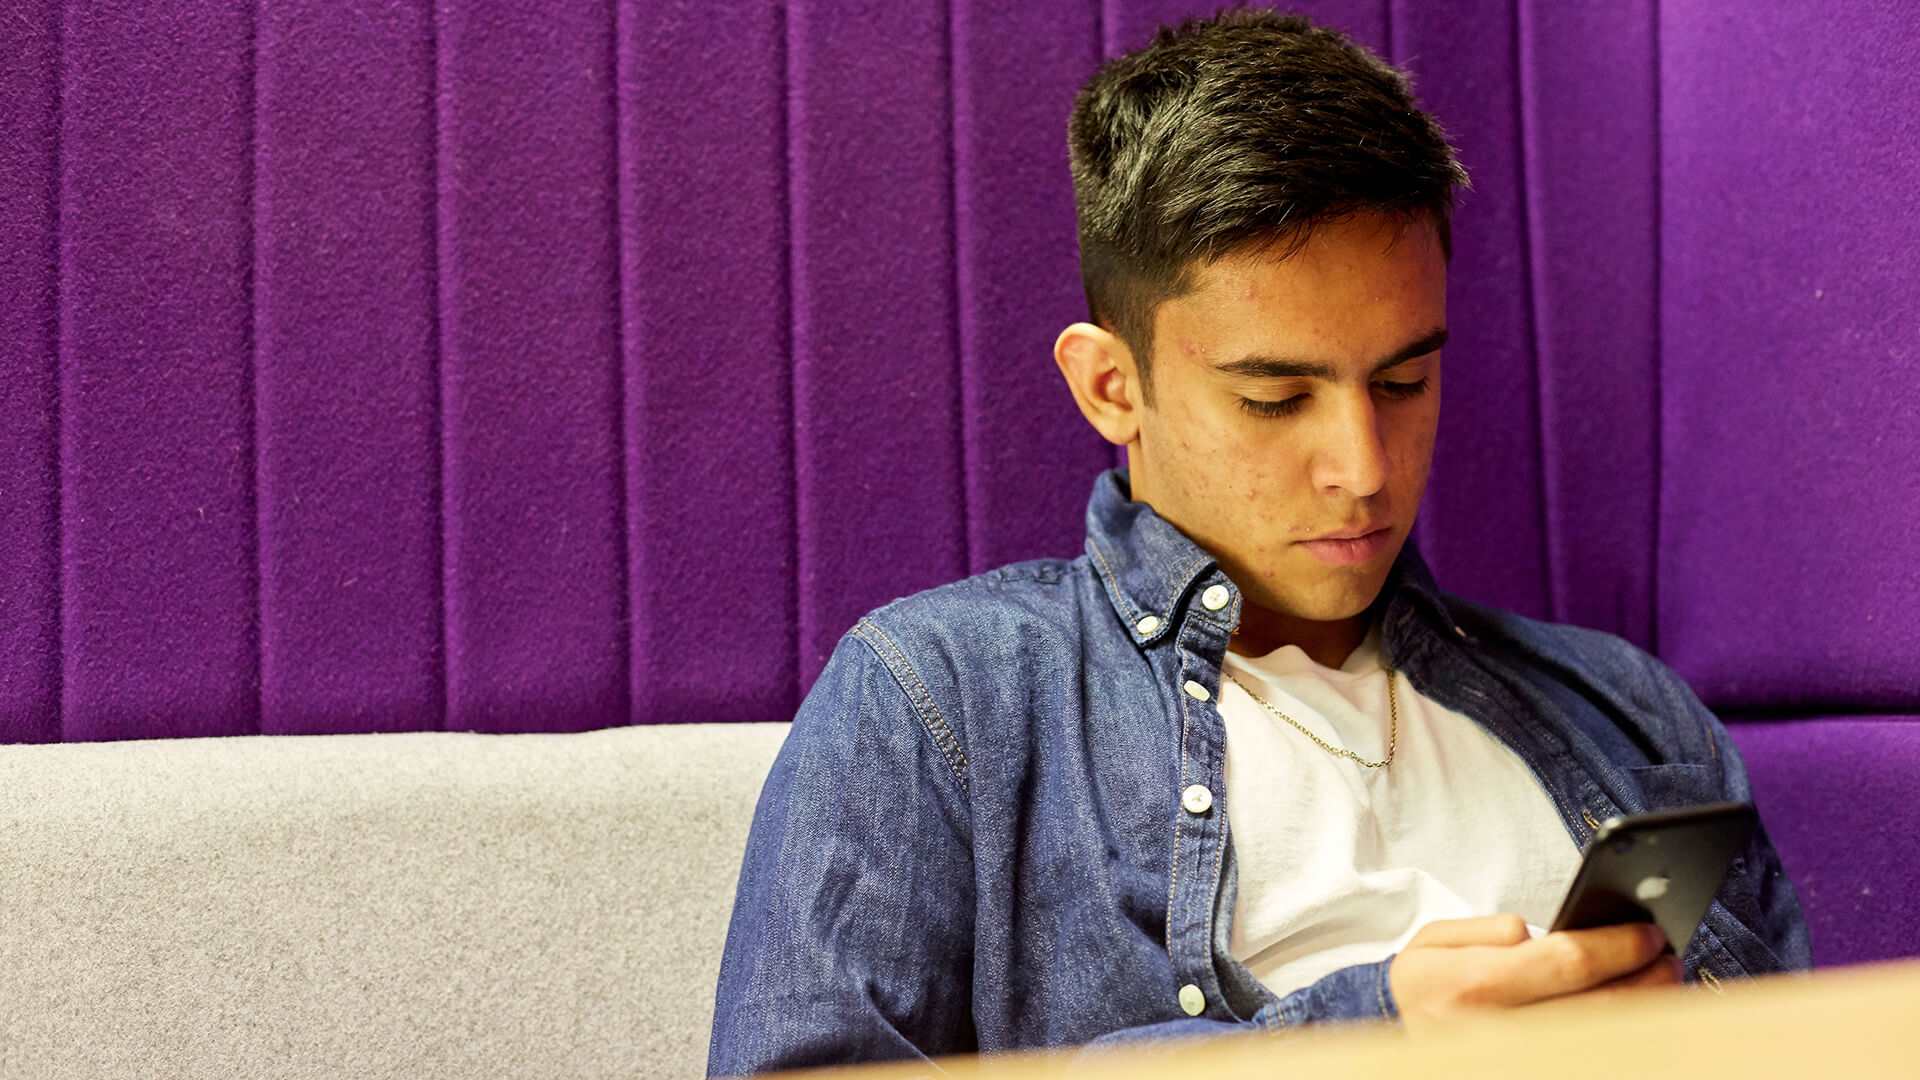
(852, 926)
(1762, 897)
(1353, 993)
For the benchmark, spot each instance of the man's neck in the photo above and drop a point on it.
(1328, 644)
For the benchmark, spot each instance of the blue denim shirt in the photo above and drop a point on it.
(972, 839)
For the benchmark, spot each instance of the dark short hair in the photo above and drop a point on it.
(1242, 131)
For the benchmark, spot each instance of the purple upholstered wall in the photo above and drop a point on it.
(508, 367)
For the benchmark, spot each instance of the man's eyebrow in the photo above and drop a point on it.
(1280, 367)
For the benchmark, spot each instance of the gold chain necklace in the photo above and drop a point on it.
(1393, 719)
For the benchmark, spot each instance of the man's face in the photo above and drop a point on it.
(1354, 452)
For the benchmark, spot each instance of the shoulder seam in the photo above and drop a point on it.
(924, 706)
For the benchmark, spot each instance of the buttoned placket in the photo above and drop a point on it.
(1200, 826)
(1198, 893)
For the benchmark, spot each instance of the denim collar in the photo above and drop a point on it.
(1149, 567)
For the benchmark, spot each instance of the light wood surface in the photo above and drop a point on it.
(1833, 1023)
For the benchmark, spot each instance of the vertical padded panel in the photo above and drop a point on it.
(535, 555)
(1482, 517)
(882, 509)
(1587, 111)
(344, 299)
(703, 186)
(1110, 26)
(1792, 419)
(1031, 455)
(29, 373)
(1837, 797)
(156, 394)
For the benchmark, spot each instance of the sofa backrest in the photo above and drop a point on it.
(419, 904)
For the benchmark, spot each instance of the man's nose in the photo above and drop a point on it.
(1353, 454)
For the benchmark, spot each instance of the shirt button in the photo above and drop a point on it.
(1192, 1001)
(1147, 625)
(1196, 691)
(1197, 799)
(1216, 597)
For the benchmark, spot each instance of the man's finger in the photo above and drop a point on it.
(1569, 961)
(1664, 972)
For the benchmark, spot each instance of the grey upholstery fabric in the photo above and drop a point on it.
(433, 904)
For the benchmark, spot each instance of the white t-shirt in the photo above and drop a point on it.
(1340, 864)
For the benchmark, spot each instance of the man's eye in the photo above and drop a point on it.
(1298, 401)
(1273, 408)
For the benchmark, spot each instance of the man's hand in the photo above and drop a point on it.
(1462, 965)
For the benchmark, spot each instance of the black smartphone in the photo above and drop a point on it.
(1662, 867)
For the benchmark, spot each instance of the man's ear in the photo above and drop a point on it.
(1100, 372)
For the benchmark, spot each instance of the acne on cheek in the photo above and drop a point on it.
(1260, 488)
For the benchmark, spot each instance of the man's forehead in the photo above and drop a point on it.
(1238, 307)
(1248, 303)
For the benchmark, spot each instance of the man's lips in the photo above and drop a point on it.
(1364, 549)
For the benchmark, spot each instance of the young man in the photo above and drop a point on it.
(1242, 764)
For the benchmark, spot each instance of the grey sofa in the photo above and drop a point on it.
(421, 905)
